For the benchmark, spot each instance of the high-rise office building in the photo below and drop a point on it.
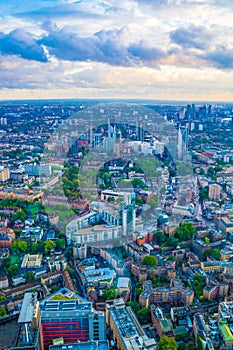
(182, 143)
(66, 315)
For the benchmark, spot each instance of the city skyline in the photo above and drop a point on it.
(160, 50)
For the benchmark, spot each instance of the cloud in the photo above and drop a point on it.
(103, 46)
(21, 43)
(145, 53)
(196, 37)
(221, 57)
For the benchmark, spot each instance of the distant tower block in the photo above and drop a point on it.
(182, 143)
(214, 191)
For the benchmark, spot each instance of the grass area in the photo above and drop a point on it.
(62, 297)
(63, 213)
(15, 259)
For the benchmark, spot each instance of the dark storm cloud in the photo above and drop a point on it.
(22, 44)
(196, 37)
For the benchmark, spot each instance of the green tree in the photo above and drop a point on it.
(109, 294)
(215, 253)
(19, 246)
(185, 231)
(159, 237)
(134, 305)
(3, 312)
(30, 277)
(204, 193)
(198, 285)
(139, 201)
(167, 343)
(54, 289)
(207, 240)
(150, 260)
(20, 214)
(48, 246)
(60, 243)
(144, 315)
(137, 183)
(138, 292)
(172, 242)
(13, 270)
(34, 248)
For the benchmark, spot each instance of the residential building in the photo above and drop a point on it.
(80, 251)
(162, 324)
(175, 294)
(4, 174)
(31, 261)
(214, 192)
(126, 331)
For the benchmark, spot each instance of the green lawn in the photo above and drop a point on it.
(14, 259)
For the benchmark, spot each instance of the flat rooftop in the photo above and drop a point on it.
(98, 345)
(28, 306)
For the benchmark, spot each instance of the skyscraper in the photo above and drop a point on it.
(182, 143)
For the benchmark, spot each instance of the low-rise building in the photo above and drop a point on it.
(123, 285)
(4, 283)
(175, 294)
(162, 324)
(32, 233)
(31, 261)
(210, 266)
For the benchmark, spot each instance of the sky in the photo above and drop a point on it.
(140, 49)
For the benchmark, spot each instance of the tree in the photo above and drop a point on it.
(139, 201)
(48, 246)
(54, 289)
(2, 312)
(109, 294)
(172, 242)
(19, 246)
(137, 183)
(134, 305)
(166, 343)
(106, 177)
(144, 315)
(185, 231)
(13, 270)
(150, 261)
(159, 237)
(34, 248)
(138, 292)
(214, 253)
(204, 193)
(30, 277)
(20, 214)
(198, 285)
(207, 240)
(60, 243)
